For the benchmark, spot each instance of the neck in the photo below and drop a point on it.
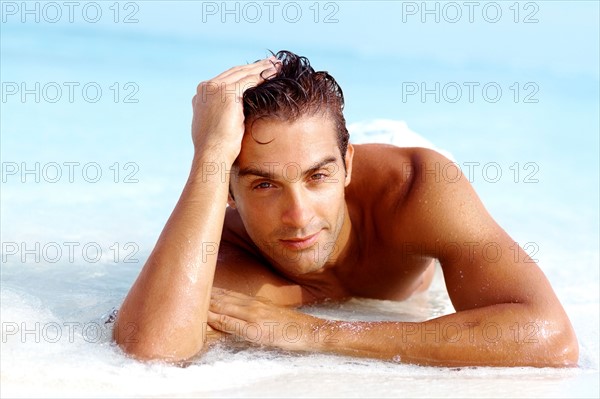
(344, 245)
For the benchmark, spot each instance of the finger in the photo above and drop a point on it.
(247, 78)
(249, 332)
(224, 89)
(250, 80)
(220, 297)
(233, 74)
(221, 292)
(239, 79)
(225, 323)
(229, 305)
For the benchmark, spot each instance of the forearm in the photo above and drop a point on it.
(165, 312)
(498, 335)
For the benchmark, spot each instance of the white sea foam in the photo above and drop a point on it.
(388, 131)
(85, 365)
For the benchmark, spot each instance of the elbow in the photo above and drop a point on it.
(151, 348)
(566, 348)
(146, 353)
(560, 347)
(548, 341)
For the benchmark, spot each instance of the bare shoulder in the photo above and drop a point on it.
(398, 184)
(382, 168)
(380, 173)
(442, 203)
(416, 198)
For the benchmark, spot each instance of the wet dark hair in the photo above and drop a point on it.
(295, 91)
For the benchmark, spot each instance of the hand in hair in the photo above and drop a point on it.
(218, 120)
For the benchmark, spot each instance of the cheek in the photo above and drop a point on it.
(331, 202)
(257, 217)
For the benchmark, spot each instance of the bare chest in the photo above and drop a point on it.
(386, 275)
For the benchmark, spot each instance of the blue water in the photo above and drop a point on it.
(544, 142)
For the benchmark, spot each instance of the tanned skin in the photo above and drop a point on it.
(304, 225)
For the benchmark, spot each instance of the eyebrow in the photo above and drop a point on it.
(267, 174)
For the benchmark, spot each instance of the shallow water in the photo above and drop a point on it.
(56, 344)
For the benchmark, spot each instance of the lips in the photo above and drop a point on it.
(300, 243)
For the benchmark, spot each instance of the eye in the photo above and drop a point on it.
(318, 176)
(263, 185)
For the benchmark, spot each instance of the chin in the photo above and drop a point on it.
(298, 270)
(297, 263)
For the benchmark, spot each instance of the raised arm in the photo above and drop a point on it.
(164, 314)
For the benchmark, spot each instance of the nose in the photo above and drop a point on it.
(297, 208)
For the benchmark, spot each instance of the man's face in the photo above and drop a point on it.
(290, 191)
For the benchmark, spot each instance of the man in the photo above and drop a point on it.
(312, 217)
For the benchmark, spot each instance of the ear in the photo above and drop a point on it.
(230, 200)
(349, 159)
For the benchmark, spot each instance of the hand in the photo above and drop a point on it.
(259, 321)
(218, 119)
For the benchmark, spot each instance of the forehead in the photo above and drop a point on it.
(274, 142)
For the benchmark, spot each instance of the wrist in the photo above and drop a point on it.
(223, 149)
(324, 336)
(213, 167)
